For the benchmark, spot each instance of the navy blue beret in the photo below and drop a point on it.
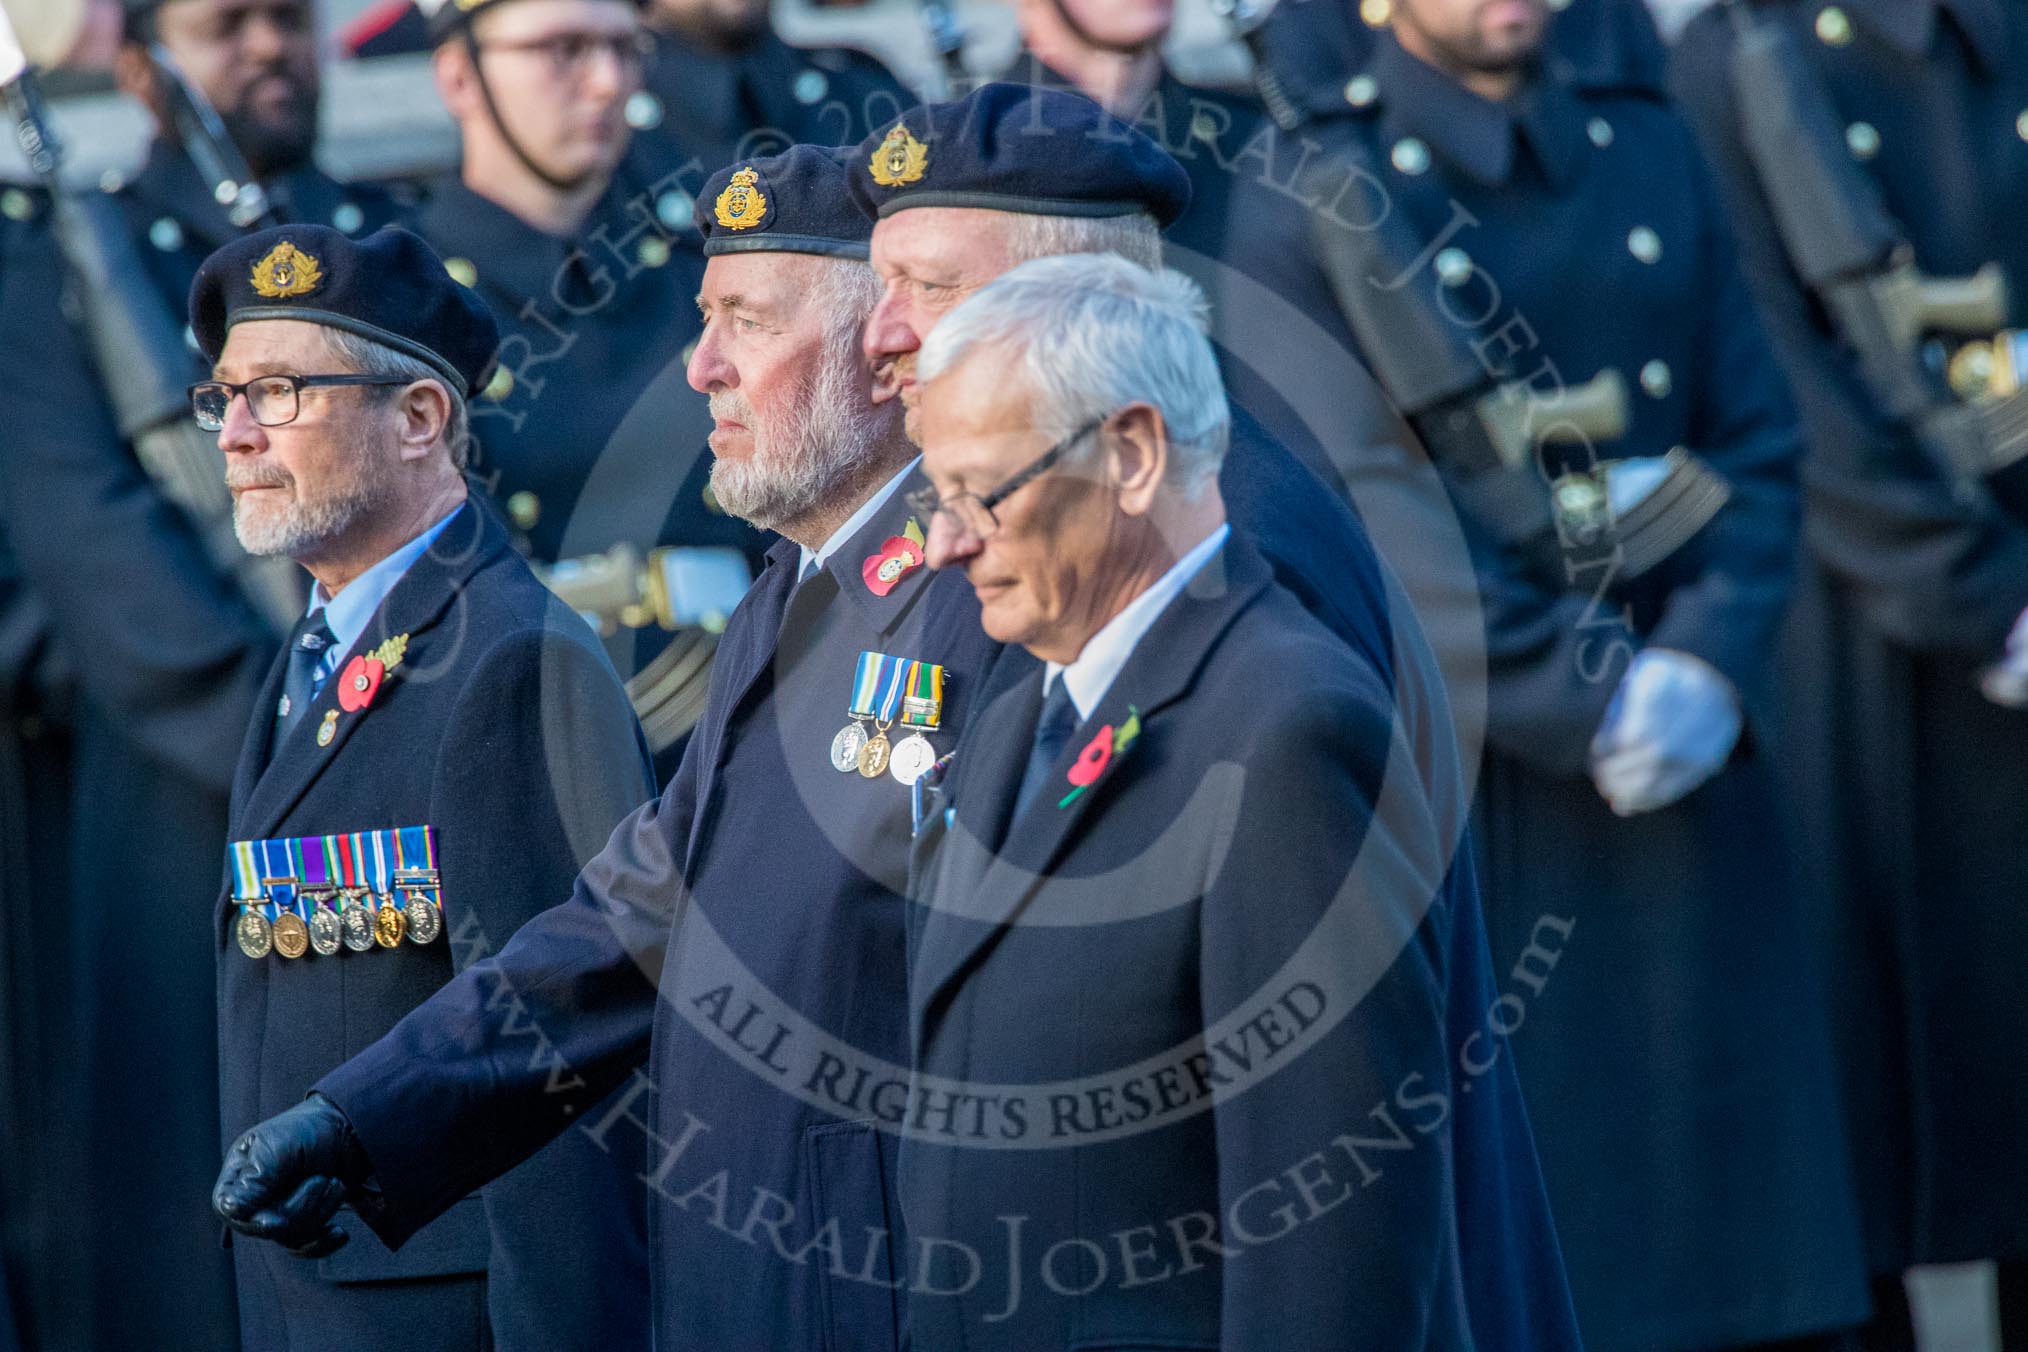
(390, 287)
(446, 17)
(1025, 148)
(796, 202)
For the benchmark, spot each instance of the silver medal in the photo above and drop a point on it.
(845, 748)
(424, 920)
(256, 937)
(911, 758)
(356, 922)
(325, 931)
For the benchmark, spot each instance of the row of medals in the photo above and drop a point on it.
(853, 750)
(351, 926)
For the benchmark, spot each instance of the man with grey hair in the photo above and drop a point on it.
(438, 749)
(781, 846)
(1176, 904)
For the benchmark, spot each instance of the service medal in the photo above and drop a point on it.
(292, 936)
(845, 748)
(326, 933)
(256, 937)
(389, 924)
(873, 756)
(911, 758)
(425, 921)
(355, 922)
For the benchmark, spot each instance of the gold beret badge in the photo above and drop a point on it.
(899, 159)
(287, 271)
(742, 204)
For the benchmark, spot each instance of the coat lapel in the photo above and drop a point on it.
(979, 891)
(415, 605)
(778, 629)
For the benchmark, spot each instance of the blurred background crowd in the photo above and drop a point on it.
(1689, 326)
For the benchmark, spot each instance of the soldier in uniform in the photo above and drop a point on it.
(586, 437)
(1676, 1062)
(440, 744)
(163, 654)
(762, 893)
(1913, 776)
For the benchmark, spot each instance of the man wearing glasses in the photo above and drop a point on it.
(586, 436)
(134, 654)
(768, 876)
(438, 749)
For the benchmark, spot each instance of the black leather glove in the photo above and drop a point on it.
(286, 1178)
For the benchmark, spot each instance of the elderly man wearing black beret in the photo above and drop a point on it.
(741, 940)
(439, 747)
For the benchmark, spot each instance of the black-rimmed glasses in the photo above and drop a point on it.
(973, 511)
(570, 54)
(273, 400)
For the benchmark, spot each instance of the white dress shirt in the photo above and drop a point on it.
(855, 521)
(1092, 674)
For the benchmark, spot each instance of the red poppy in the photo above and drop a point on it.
(359, 683)
(898, 557)
(1091, 762)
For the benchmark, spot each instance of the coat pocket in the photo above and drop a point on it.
(851, 1168)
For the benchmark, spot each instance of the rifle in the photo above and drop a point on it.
(1849, 252)
(136, 344)
(1488, 436)
(687, 591)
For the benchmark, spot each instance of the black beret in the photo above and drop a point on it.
(1014, 147)
(447, 17)
(796, 202)
(390, 287)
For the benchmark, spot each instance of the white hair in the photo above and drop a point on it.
(369, 357)
(1093, 333)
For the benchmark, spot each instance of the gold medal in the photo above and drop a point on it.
(389, 924)
(256, 937)
(873, 756)
(292, 936)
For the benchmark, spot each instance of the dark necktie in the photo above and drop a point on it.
(1052, 733)
(309, 648)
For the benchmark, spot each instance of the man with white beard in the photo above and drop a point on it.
(744, 935)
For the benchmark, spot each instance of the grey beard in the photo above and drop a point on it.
(301, 529)
(828, 435)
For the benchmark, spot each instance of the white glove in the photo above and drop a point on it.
(2006, 681)
(1671, 725)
